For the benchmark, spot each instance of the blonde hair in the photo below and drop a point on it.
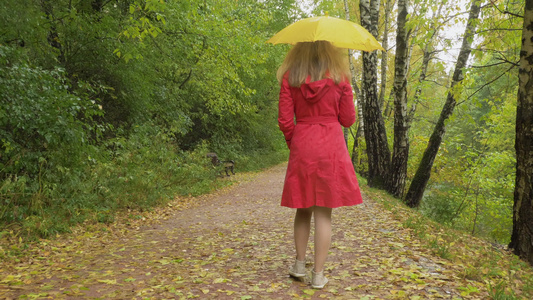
(318, 59)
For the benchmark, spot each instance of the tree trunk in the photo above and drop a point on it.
(389, 107)
(428, 55)
(421, 78)
(354, 83)
(346, 132)
(398, 169)
(355, 155)
(53, 35)
(357, 94)
(423, 173)
(97, 5)
(384, 53)
(375, 134)
(522, 235)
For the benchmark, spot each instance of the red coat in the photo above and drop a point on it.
(320, 171)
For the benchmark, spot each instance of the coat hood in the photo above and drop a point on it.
(314, 91)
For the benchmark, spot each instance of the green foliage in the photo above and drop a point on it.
(139, 172)
(107, 105)
(472, 187)
(40, 118)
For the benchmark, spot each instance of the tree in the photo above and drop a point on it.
(398, 171)
(522, 234)
(375, 133)
(434, 27)
(384, 53)
(357, 94)
(423, 173)
(353, 80)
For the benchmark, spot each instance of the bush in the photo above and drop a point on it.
(40, 119)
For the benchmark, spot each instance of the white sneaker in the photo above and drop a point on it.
(298, 269)
(319, 280)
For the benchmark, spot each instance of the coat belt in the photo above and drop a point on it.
(317, 120)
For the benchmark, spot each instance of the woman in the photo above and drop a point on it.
(320, 175)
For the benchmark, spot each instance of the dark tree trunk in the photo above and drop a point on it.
(346, 132)
(384, 54)
(422, 77)
(355, 155)
(354, 84)
(388, 108)
(375, 134)
(522, 235)
(53, 35)
(357, 95)
(398, 169)
(423, 173)
(97, 5)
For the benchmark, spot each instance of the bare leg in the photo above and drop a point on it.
(302, 227)
(322, 236)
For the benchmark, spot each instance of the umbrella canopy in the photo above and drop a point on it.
(341, 33)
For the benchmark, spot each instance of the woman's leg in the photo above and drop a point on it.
(322, 236)
(302, 226)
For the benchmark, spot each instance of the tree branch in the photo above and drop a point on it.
(454, 16)
(107, 2)
(503, 61)
(505, 12)
(499, 29)
(486, 84)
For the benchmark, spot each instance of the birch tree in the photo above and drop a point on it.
(522, 234)
(354, 84)
(423, 173)
(398, 170)
(375, 133)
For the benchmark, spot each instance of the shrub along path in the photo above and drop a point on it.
(234, 244)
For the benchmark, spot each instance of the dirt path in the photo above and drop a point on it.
(234, 244)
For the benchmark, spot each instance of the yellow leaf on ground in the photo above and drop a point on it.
(309, 292)
(108, 281)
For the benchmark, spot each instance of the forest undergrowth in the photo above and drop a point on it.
(139, 174)
(481, 260)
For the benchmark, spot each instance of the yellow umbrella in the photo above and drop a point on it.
(341, 33)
